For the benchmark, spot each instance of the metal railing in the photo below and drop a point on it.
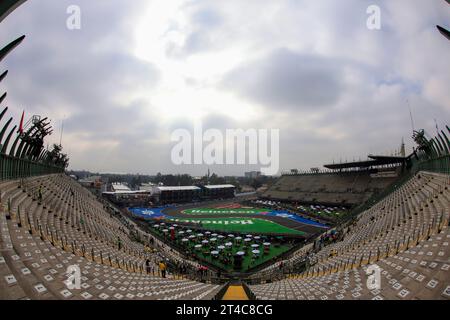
(440, 164)
(15, 168)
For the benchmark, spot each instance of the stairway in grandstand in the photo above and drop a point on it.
(235, 292)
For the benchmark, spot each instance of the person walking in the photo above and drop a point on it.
(40, 194)
(162, 268)
(147, 266)
(119, 243)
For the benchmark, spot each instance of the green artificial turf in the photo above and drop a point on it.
(248, 261)
(242, 225)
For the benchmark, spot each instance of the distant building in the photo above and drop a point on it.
(222, 191)
(118, 186)
(129, 198)
(184, 194)
(147, 186)
(246, 189)
(165, 195)
(253, 174)
(92, 182)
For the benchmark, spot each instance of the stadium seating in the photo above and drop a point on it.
(325, 214)
(347, 188)
(406, 235)
(40, 240)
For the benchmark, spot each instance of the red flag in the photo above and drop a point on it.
(21, 123)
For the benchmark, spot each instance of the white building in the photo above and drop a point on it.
(118, 186)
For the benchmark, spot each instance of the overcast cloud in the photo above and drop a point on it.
(139, 69)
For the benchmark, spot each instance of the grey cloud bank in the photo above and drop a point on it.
(288, 80)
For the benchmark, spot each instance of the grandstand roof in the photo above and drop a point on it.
(390, 159)
(373, 162)
(126, 192)
(219, 186)
(181, 188)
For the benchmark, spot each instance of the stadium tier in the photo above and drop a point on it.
(163, 195)
(340, 188)
(406, 235)
(184, 194)
(50, 223)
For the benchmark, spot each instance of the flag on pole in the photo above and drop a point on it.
(21, 123)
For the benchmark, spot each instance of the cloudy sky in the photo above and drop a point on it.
(138, 70)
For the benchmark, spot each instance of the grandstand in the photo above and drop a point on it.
(357, 184)
(41, 239)
(58, 240)
(165, 195)
(183, 194)
(406, 235)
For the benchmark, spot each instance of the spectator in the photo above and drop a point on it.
(119, 243)
(147, 266)
(40, 194)
(162, 268)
